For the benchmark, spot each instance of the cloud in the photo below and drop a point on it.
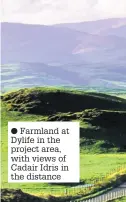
(60, 11)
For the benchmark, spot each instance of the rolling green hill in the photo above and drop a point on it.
(102, 133)
(50, 100)
(102, 117)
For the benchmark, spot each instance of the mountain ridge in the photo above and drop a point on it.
(92, 26)
(79, 58)
(29, 43)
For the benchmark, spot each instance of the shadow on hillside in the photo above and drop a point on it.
(108, 138)
(14, 195)
(44, 102)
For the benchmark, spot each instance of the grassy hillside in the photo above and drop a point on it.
(102, 129)
(49, 101)
(102, 117)
(17, 195)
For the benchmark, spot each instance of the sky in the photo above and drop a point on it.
(60, 11)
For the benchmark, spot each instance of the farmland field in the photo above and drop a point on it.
(94, 164)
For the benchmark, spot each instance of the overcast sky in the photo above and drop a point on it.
(61, 11)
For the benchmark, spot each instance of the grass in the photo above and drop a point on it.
(51, 100)
(102, 129)
(121, 96)
(89, 163)
(96, 139)
(119, 200)
(12, 195)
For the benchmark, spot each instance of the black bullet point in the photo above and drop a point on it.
(14, 130)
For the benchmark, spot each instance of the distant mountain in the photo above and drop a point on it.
(35, 55)
(119, 31)
(99, 26)
(37, 43)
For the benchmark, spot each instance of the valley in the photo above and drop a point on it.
(66, 72)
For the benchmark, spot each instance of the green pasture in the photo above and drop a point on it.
(92, 166)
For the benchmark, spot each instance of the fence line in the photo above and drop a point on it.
(108, 196)
(76, 190)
